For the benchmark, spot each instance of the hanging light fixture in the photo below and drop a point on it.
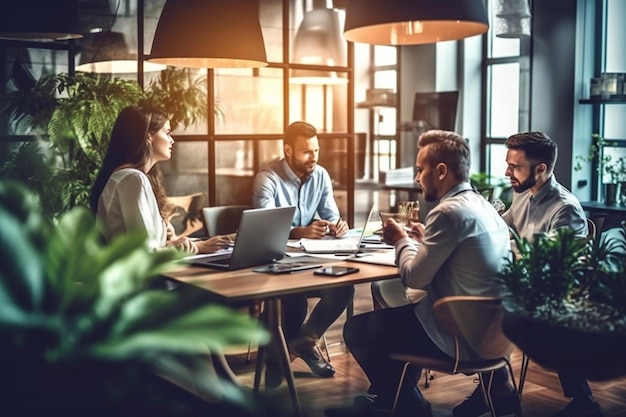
(405, 22)
(318, 41)
(512, 19)
(209, 34)
(40, 20)
(107, 52)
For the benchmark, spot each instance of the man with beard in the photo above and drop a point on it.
(458, 251)
(540, 205)
(297, 180)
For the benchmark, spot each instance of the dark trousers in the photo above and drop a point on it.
(574, 386)
(372, 336)
(332, 303)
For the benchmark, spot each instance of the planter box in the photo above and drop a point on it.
(596, 356)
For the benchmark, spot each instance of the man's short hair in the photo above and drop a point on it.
(538, 146)
(450, 148)
(298, 129)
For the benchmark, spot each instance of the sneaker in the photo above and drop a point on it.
(581, 409)
(475, 405)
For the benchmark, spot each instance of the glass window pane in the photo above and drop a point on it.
(386, 79)
(614, 126)
(234, 172)
(324, 106)
(385, 55)
(180, 82)
(503, 100)
(615, 34)
(271, 19)
(187, 171)
(386, 125)
(249, 104)
(496, 160)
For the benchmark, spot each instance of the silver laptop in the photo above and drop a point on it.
(347, 245)
(261, 239)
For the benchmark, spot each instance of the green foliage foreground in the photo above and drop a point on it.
(67, 299)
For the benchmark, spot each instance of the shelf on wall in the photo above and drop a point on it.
(616, 100)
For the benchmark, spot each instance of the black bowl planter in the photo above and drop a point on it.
(597, 356)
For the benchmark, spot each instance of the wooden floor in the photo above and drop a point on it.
(542, 391)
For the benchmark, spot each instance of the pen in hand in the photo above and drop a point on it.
(334, 231)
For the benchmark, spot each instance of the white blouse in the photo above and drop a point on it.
(127, 203)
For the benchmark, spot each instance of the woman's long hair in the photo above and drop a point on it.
(129, 146)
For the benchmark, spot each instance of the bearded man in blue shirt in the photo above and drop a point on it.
(297, 180)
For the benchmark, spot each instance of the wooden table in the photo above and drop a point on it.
(247, 285)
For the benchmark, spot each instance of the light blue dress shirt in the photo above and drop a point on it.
(276, 185)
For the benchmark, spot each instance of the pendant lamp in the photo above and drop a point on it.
(318, 41)
(512, 19)
(406, 22)
(107, 52)
(209, 34)
(39, 20)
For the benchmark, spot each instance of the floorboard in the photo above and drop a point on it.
(542, 391)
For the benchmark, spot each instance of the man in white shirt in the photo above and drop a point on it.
(458, 251)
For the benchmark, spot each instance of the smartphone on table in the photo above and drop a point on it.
(335, 271)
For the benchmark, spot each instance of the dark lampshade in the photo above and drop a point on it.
(39, 20)
(319, 42)
(406, 22)
(209, 34)
(107, 52)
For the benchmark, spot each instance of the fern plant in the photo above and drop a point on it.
(72, 306)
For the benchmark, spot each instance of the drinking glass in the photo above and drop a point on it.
(408, 211)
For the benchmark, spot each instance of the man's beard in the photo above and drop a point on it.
(527, 184)
(302, 168)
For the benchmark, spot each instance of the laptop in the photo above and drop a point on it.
(347, 245)
(261, 239)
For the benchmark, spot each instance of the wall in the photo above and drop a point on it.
(555, 80)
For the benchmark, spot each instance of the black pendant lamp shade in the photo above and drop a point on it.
(319, 42)
(39, 20)
(406, 22)
(209, 34)
(107, 52)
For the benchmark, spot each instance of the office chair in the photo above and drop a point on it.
(224, 220)
(478, 321)
(392, 293)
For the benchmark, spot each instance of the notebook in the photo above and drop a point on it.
(349, 244)
(261, 239)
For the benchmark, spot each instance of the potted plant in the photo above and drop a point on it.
(83, 323)
(73, 115)
(564, 300)
(612, 170)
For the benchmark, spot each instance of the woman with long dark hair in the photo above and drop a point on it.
(128, 193)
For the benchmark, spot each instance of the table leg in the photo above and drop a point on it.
(274, 324)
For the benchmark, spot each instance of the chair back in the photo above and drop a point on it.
(222, 220)
(477, 321)
(592, 230)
